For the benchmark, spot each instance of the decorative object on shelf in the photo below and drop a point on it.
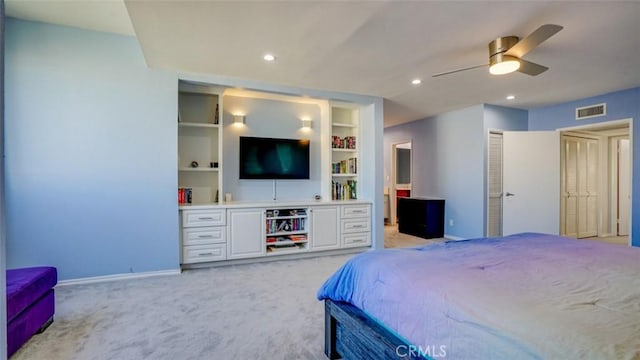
(194, 164)
(216, 118)
(213, 164)
(227, 197)
(317, 197)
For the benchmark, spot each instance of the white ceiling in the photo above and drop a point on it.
(376, 47)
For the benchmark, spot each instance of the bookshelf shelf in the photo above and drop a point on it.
(337, 124)
(202, 125)
(344, 175)
(198, 169)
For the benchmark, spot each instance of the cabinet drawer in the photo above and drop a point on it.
(357, 239)
(352, 211)
(355, 225)
(204, 235)
(203, 253)
(192, 218)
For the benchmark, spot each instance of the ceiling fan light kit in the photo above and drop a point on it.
(499, 63)
(505, 53)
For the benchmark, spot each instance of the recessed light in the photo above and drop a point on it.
(511, 97)
(416, 81)
(269, 57)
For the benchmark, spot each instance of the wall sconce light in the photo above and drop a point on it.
(306, 123)
(239, 119)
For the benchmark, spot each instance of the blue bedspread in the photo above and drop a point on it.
(530, 296)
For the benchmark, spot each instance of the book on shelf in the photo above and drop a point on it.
(185, 195)
(348, 166)
(344, 190)
(347, 142)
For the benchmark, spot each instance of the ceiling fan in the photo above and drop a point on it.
(505, 53)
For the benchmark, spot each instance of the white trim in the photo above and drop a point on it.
(454, 238)
(117, 277)
(392, 183)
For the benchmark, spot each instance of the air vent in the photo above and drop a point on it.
(590, 111)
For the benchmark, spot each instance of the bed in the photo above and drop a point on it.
(524, 296)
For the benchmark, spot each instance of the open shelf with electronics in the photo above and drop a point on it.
(199, 143)
(344, 151)
(286, 230)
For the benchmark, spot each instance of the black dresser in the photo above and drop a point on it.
(421, 216)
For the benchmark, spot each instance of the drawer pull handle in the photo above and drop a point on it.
(357, 240)
(358, 211)
(205, 236)
(357, 226)
(205, 254)
(205, 218)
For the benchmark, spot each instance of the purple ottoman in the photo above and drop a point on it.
(30, 303)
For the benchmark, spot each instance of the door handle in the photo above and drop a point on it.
(509, 194)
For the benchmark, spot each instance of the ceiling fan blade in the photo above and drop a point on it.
(534, 39)
(458, 70)
(529, 68)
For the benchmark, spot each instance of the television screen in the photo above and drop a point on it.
(268, 158)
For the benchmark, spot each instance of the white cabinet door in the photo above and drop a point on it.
(246, 235)
(324, 228)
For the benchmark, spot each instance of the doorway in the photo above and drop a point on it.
(401, 173)
(596, 176)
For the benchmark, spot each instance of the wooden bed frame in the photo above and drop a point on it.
(349, 333)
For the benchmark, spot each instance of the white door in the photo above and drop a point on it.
(531, 182)
(623, 187)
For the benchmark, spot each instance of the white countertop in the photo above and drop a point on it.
(272, 203)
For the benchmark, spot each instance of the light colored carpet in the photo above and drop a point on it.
(395, 239)
(255, 311)
(618, 240)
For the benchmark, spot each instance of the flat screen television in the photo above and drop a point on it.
(269, 158)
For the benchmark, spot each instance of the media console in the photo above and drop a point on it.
(419, 216)
(237, 230)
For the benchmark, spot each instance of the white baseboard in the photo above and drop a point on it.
(116, 277)
(451, 237)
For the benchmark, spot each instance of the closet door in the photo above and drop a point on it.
(580, 184)
(570, 186)
(590, 227)
(494, 206)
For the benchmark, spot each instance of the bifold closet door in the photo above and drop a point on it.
(494, 208)
(580, 187)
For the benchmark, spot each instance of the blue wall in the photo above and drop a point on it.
(448, 161)
(90, 153)
(622, 104)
